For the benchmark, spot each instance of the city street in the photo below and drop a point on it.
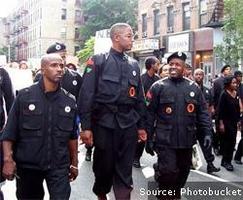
(82, 187)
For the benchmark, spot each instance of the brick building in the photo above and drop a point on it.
(191, 26)
(36, 24)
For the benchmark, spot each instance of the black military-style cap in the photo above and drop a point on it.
(56, 48)
(177, 54)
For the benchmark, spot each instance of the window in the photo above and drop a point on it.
(202, 12)
(78, 3)
(63, 32)
(170, 19)
(144, 23)
(64, 14)
(77, 34)
(186, 16)
(78, 16)
(76, 49)
(156, 22)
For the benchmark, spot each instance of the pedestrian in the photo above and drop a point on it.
(217, 89)
(71, 80)
(112, 110)
(207, 152)
(176, 109)
(239, 151)
(39, 141)
(188, 71)
(229, 115)
(148, 78)
(23, 65)
(164, 71)
(7, 96)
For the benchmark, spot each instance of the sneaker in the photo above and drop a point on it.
(136, 163)
(238, 162)
(211, 168)
(88, 156)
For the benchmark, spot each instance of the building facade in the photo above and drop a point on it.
(191, 26)
(36, 24)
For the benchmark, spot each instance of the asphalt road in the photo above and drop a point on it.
(82, 187)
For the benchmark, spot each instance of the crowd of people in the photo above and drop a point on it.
(165, 111)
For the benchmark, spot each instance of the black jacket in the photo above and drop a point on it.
(178, 109)
(40, 125)
(112, 92)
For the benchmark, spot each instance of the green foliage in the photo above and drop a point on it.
(101, 14)
(87, 51)
(4, 51)
(229, 50)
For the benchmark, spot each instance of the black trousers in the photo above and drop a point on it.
(207, 152)
(172, 170)
(113, 158)
(228, 141)
(30, 184)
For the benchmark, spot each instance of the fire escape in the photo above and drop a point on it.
(215, 13)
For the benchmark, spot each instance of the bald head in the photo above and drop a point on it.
(47, 58)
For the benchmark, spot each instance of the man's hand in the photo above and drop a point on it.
(221, 127)
(73, 173)
(9, 169)
(207, 141)
(142, 135)
(149, 148)
(87, 137)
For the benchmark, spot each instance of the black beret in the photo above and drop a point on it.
(224, 67)
(56, 48)
(177, 54)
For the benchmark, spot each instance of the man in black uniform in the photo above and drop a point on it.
(176, 110)
(148, 78)
(207, 152)
(39, 141)
(112, 110)
(71, 80)
(218, 87)
(6, 94)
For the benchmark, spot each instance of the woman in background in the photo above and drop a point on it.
(229, 114)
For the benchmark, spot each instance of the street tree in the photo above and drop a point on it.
(101, 14)
(231, 48)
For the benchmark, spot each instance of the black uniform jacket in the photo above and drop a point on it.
(112, 92)
(40, 125)
(177, 109)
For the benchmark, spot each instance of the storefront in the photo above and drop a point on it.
(203, 51)
(144, 48)
(180, 42)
